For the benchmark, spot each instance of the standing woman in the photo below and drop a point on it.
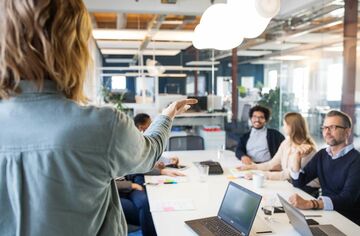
(297, 143)
(58, 159)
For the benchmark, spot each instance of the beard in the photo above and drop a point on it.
(331, 141)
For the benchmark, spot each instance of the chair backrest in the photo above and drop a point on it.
(189, 142)
(245, 113)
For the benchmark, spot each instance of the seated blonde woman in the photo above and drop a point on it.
(298, 143)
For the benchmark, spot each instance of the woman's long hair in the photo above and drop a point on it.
(299, 132)
(44, 39)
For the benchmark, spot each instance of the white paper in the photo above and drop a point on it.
(161, 179)
(172, 205)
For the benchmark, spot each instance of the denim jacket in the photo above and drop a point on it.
(58, 161)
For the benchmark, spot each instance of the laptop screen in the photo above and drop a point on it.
(297, 219)
(239, 207)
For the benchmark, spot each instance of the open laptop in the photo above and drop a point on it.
(298, 221)
(236, 214)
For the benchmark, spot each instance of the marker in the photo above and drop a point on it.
(170, 182)
(264, 232)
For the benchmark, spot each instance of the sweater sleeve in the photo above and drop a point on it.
(241, 147)
(274, 138)
(309, 172)
(284, 174)
(277, 175)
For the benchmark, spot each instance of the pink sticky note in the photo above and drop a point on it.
(169, 208)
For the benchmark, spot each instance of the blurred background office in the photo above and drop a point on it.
(144, 58)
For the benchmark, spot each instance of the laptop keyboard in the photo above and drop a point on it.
(217, 227)
(317, 231)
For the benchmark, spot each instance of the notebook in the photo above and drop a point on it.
(236, 214)
(298, 221)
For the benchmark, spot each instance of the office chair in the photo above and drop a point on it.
(244, 119)
(190, 142)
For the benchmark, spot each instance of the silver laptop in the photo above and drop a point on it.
(236, 214)
(298, 221)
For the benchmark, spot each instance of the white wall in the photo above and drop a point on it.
(93, 82)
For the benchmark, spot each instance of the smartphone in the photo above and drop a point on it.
(279, 209)
(276, 210)
(175, 166)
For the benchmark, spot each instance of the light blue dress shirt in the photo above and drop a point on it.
(58, 161)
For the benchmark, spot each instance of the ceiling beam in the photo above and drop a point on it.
(183, 7)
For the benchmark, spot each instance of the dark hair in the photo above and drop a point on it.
(140, 119)
(346, 120)
(266, 111)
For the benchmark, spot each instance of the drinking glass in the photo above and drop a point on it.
(220, 153)
(203, 172)
(269, 207)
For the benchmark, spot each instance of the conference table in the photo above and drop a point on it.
(206, 198)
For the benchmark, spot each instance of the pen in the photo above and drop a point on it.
(149, 183)
(264, 232)
(313, 216)
(171, 182)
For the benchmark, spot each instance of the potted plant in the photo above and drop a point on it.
(115, 98)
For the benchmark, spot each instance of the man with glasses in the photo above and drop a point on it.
(259, 144)
(337, 167)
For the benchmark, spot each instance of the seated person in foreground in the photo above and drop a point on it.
(133, 195)
(338, 170)
(259, 144)
(297, 144)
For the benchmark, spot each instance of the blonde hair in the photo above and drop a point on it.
(44, 39)
(299, 132)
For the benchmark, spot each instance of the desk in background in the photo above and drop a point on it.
(207, 199)
(200, 118)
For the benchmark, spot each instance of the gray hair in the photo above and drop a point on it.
(346, 119)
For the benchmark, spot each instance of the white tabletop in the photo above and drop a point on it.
(201, 114)
(207, 197)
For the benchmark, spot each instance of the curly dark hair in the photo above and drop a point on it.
(266, 111)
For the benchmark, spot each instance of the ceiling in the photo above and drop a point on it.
(125, 28)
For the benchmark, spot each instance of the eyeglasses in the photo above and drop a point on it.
(258, 117)
(332, 128)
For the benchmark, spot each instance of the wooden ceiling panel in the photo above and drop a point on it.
(105, 20)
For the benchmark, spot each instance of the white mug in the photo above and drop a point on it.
(258, 180)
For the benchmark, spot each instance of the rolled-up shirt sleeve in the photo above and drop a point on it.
(328, 204)
(130, 151)
(294, 174)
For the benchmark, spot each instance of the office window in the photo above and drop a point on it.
(118, 82)
(247, 82)
(334, 82)
(145, 85)
(301, 88)
(190, 88)
(272, 79)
